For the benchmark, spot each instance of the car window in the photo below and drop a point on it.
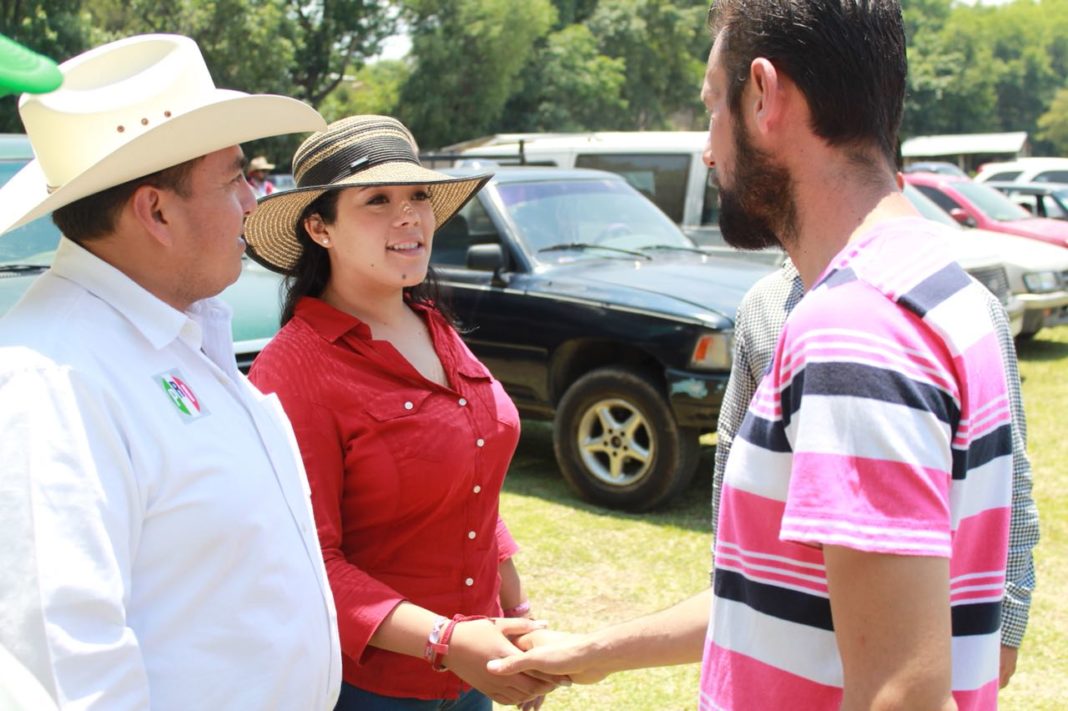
(1005, 175)
(1052, 176)
(938, 197)
(34, 243)
(710, 203)
(926, 207)
(1031, 203)
(1057, 204)
(1053, 205)
(593, 212)
(472, 225)
(990, 202)
(661, 178)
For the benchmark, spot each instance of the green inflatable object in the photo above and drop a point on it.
(23, 70)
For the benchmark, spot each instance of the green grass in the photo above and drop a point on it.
(585, 567)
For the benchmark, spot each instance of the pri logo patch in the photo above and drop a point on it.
(181, 395)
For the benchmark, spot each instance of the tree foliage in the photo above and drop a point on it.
(484, 66)
(54, 29)
(466, 56)
(1053, 125)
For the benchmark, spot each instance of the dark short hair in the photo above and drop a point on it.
(846, 56)
(96, 215)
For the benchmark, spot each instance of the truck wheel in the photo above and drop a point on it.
(617, 442)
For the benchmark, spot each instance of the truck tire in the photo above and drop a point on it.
(617, 441)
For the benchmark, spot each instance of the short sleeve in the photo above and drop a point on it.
(867, 404)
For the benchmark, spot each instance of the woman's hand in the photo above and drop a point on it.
(476, 642)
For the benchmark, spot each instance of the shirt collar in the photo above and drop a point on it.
(157, 321)
(330, 323)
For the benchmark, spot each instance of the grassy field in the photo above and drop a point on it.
(585, 567)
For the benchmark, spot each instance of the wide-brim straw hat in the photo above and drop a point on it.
(359, 151)
(128, 109)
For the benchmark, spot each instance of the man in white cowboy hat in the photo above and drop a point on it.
(257, 176)
(158, 545)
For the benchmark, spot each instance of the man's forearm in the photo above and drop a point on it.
(672, 636)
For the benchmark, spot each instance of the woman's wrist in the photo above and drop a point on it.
(520, 610)
(437, 644)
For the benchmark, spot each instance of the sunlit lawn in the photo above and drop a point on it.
(584, 566)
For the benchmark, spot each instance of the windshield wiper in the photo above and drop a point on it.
(588, 245)
(21, 268)
(674, 248)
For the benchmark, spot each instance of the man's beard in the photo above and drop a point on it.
(759, 210)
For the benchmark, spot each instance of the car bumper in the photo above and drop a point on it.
(1040, 310)
(696, 397)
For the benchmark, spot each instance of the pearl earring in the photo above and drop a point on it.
(326, 241)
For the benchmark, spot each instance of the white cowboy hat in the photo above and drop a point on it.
(259, 163)
(128, 109)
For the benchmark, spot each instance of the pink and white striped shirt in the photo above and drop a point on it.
(882, 425)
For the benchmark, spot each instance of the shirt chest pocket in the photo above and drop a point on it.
(407, 423)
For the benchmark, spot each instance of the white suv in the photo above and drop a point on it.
(1026, 170)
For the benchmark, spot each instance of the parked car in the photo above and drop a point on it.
(1040, 199)
(27, 251)
(665, 166)
(935, 166)
(973, 204)
(1035, 273)
(282, 181)
(595, 311)
(1026, 170)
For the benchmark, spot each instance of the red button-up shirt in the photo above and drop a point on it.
(405, 477)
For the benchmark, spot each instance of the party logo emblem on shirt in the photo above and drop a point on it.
(181, 395)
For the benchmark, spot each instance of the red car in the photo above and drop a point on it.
(973, 204)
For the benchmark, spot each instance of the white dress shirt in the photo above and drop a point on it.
(157, 547)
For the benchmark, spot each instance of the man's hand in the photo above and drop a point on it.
(556, 653)
(1008, 664)
(476, 642)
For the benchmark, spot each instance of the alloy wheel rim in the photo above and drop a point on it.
(616, 442)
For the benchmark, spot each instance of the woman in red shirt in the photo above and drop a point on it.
(406, 437)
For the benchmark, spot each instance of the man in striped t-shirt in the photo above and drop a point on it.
(880, 438)
(864, 523)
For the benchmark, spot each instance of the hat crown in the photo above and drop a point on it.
(110, 96)
(352, 145)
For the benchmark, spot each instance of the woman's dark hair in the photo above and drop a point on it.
(310, 275)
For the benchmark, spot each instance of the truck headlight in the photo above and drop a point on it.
(713, 351)
(1041, 282)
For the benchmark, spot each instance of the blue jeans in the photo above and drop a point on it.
(355, 699)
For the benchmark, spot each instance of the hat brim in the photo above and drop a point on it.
(270, 232)
(226, 118)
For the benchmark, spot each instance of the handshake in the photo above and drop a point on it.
(529, 661)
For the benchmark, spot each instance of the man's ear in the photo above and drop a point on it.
(150, 206)
(766, 102)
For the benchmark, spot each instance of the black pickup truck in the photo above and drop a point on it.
(595, 311)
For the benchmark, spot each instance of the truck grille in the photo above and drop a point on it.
(995, 279)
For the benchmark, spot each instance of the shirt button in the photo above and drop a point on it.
(462, 401)
(469, 582)
(479, 442)
(471, 535)
(408, 405)
(477, 488)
